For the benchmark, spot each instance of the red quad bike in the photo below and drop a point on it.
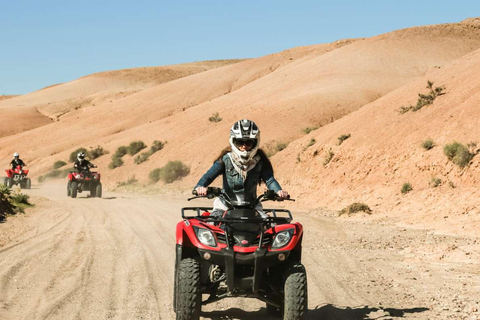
(239, 255)
(79, 181)
(17, 176)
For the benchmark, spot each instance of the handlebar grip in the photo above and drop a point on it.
(194, 192)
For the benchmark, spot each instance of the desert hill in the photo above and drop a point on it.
(50, 103)
(351, 87)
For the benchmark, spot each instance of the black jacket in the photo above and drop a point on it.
(16, 162)
(84, 166)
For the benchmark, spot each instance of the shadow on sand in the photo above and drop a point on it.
(326, 312)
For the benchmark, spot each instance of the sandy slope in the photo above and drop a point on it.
(112, 258)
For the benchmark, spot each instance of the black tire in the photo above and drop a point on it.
(296, 296)
(98, 190)
(69, 188)
(189, 297)
(175, 290)
(28, 183)
(5, 181)
(10, 182)
(93, 190)
(74, 189)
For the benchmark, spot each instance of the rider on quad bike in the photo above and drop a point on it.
(243, 167)
(82, 164)
(17, 175)
(83, 179)
(17, 161)
(236, 249)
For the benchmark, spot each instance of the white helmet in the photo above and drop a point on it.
(16, 155)
(245, 131)
(81, 156)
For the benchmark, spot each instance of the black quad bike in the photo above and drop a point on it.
(84, 180)
(239, 254)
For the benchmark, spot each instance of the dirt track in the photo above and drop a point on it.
(113, 258)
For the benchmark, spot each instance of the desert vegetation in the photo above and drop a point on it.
(156, 146)
(428, 144)
(328, 157)
(424, 99)
(215, 118)
(59, 164)
(342, 138)
(307, 130)
(355, 207)
(12, 202)
(435, 182)
(172, 171)
(460, 154)
(406, 188)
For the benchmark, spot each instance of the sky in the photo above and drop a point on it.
(48, 42)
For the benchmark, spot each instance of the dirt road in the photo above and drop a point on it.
(113, 258)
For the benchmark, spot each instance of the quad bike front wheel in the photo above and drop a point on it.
(10, 182)
(189, 296)
(296, 297)
(69, 188)
(28, 183)
(74, 189)
(5, 181)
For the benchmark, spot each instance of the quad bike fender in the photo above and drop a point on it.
(186, 237)
(9, 173)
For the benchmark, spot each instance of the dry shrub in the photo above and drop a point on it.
(355, 207)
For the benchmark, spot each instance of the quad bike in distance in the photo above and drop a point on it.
(239, 254)
(84, 180)
(17, 176)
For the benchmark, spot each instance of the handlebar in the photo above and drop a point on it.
(268, 195)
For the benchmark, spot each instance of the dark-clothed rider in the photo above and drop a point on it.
(17, 161)
(243, 168)
(83, 164)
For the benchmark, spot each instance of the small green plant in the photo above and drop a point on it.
(97, 152)
(142, 157)
(73, 155)
(311, 143)
(458, 154)
(135, 147)
(12, 202)
(307, 130)
(172, 171)
(157, 146)
(215, 118)
(328, 157)
(406, 188)
(451, 184)
(116, 162)
(424, 99)
(435, 182)
(280, 146)
(121, 151)
(355, 207)
(342, 138)
(428, 144)
(59, 164)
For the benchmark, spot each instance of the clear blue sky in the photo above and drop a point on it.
(48, 42)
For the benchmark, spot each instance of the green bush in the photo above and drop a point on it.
(116, 162)
(59, 164)
(328, 157)
(428, 144)
(97, 152)
(142, 157)
(129, 182)
(406, 188)
(435, 182)
(280, 146)
(309, 129)
(342, 138)
(355, 207)
(157, 146)
(172, 171)
(215, 118)
(135, 147)
(121, 151)
(73, 155)
(424, 99)
(311, 143)
(458, 154)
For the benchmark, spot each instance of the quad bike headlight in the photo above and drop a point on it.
(205, 236)
(77, 176)
(282, 238)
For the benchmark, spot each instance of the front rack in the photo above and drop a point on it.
(200, 210)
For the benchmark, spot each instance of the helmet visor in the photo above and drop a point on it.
(249, 143)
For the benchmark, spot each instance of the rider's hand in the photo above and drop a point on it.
(201, 191)
(283, 194)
